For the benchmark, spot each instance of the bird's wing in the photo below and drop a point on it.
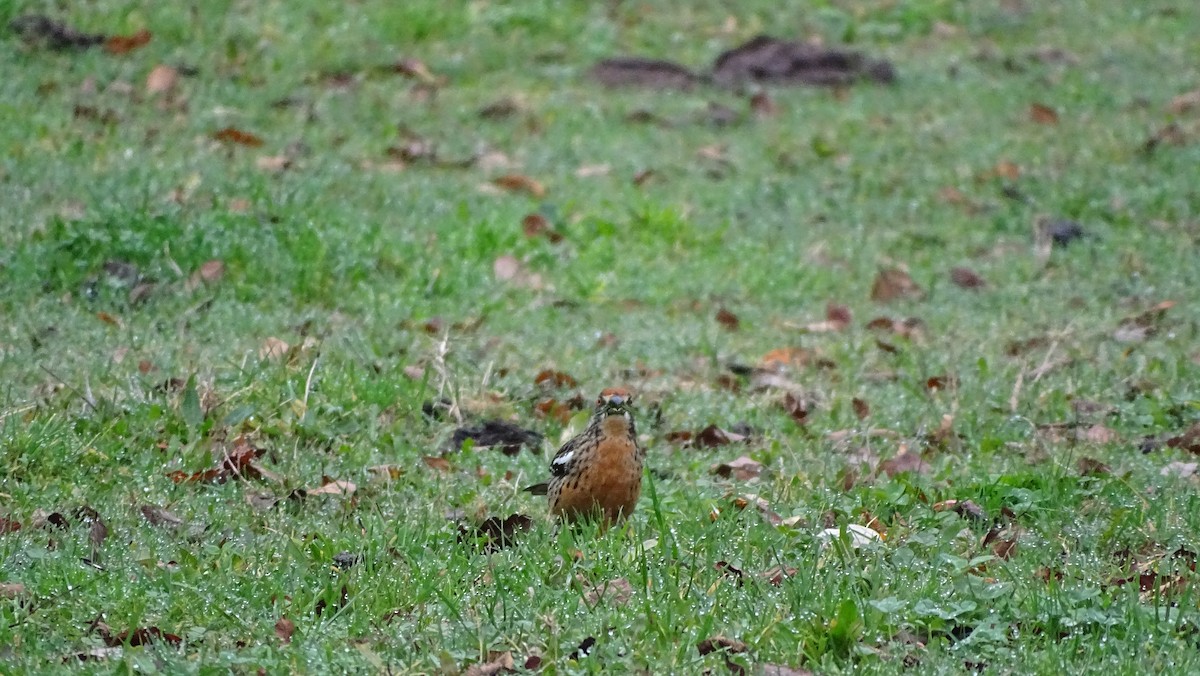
(561, 463)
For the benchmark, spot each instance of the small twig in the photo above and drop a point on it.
(91, 404)
(308, 381)
(444, 390)
(1015, 398)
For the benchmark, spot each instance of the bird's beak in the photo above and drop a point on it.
(616, 401)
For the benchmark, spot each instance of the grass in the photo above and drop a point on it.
(348, 262)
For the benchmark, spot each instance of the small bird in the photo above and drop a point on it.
(598, 473)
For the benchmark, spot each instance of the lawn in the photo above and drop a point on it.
(257, 271)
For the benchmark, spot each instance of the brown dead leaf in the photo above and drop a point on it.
(861, 408)
(904, 461)
(550, 378)
(123, 44)
(797, 408)
(162, 80)
(615, 592)
(967, 279)
(284, 628)
(727, 319)
(1142, 325)
(157, 516)
(719, 642)
(1188, 440)
(1185, 102)
(111, 320)
(964, 508)
(235, 136)
(11, 590)
(495, 533)
(743, 468)
(520, 183)
(497, 662)
(553, 409)
(536, 225)
(415, 69)
(334, 487)
(1170, 135)
(272, 349)
(1007, 170)
(777, 574)
(507, 268)
(438, 463)
(1092, 467)
(788, 357)
(1004, 543)
(1099, 434)
(1040, 113)
(8, 525)
(762, 105)
(238, 462)
(894, 284)
(713, 436)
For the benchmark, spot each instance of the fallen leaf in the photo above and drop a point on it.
(1182, 470)
(720, 642)
(123, 44)
(788, 357)
(137, 637)
(894, 284)
(777, 574)
(11, 590)
(273, 349)
(438, 463)
(1170, 135)
(797, 408)
(713, 436)
(497, 662)
(730, 571)
(284, 628)
(1188, 440)
(861, 408)
(1185, 102)
(967, 279)
(554, 409)
(1060, 231)
(762, 105)
(111, 320)
(416, 69)
(8, 525)
(615, 592)
(656, 74)
(1143, 325)
(496, 533)
(237, 137)
(334, 487)
(1040, 113)
(536, 225)
(904, 461)
(1099, 434)
(551, 378)
(859, 535)
(781, 670)
(162, 80)
(727, 319)
(743, 468)
(507, 268)
(506, 436)
(1092, 467)
(520, 183)
(964, 508)
(157, 516)
(273, 163)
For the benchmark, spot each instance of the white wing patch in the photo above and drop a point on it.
(562, 459)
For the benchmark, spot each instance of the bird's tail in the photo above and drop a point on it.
(537, 489)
